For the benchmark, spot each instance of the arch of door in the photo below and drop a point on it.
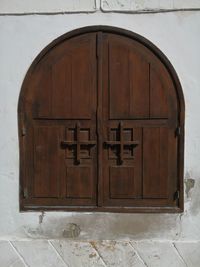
(101, 126)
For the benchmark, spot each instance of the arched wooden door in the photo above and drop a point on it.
(101, 121)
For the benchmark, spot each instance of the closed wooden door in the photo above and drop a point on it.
(63, 126)
(100, 131)
(139, 124)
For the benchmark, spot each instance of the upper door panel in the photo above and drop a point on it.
(66, 88)
(138, 83)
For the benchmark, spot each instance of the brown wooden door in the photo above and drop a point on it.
(139, 123)
(101, 127)
(63, 127)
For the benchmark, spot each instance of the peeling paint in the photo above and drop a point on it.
(189, 184)
(194, 195)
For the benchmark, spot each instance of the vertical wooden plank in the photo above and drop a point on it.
(139, 85)
(61, 88)
(158, 94)
(82, 72)
(47, 161)
(43, 102)
(119, 83)
(122, 182)
(79, 182)
(155, 162)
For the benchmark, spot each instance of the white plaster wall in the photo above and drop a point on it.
(148, 5)
(46, 6)
(21, 39)
(67, 6)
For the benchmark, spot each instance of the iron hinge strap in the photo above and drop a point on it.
(25, 192)
(23, 131)
(177, 195)
(178, 131)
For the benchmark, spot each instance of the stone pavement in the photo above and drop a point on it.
(66, 253)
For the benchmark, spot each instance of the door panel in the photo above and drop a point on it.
(80, 146)
(158, 95)
(155, 162)
(122, 163)
(79, 182)
(47, 161)
(119, 105)
(64, 126)
(121, 182)
(138, 130)
(66, 88)
(129, 73)
(139, 69)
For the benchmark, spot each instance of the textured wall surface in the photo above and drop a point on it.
(22, 37)
(148, 5)
(68, 6)
(46, 6)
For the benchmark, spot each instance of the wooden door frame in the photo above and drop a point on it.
(181, 115)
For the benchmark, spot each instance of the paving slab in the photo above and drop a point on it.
(158, 254)
(78, 254)
(190, 252)
(69, 253)
(8, 256)
(38, 253)
(120, 254)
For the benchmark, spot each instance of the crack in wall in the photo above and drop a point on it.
(41, 217)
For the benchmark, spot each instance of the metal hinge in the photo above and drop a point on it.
(23, 131)
(178, 131)
(25, 192)
(176, 195)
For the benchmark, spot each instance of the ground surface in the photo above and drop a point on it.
(62, 253)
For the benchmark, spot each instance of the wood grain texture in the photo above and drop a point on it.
(98, 112)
